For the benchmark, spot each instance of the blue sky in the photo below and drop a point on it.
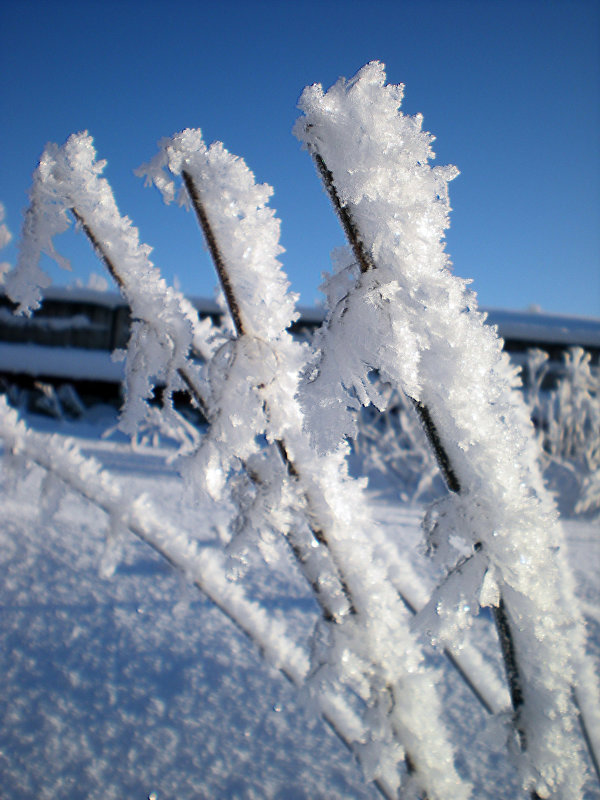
(510, 89)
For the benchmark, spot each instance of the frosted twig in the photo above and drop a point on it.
(193, 386)
(503, 627)
(394, 207)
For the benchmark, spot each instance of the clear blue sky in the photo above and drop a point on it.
(510, 89)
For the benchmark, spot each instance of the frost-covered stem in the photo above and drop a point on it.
(502, 622)
(366, 263)
(433, 437)
(363, 257)
(509, 658)
(215, 251)
(300, 550)
(315, 527)
(98, 249)
(188, 379)
(242, 328)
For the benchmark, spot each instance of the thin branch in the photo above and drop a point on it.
(215, 253)
(502, 622)
(187, 377)
(363, 257)
(511, 666)
(435, 442)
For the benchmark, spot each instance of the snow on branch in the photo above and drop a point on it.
(67, 185)
(416, 324)
(204, 567)
(246, 229)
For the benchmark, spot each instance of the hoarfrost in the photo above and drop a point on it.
(420, 328)
(67, 185)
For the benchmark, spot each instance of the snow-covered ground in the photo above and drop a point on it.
(134, 686)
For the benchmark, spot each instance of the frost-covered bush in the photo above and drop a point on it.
(568, 421)
(275, 451)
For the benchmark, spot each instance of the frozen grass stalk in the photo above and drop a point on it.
(207, 572)
(420, 329)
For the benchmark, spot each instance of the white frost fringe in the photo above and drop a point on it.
(67, 185)
(415, 323)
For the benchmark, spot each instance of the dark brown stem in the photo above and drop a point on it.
(511, 666)
(364, 259)
(435, 442)
(191, 384)
(98, 248)
(215, 252)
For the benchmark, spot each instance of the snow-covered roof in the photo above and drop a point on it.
(70, 363)
(535, 327)
(540, 326)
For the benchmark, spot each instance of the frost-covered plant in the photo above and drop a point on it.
(67, 187)
(282, 467)
(418, 326)
(573, 422)
(367, 642)
(568, 421)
